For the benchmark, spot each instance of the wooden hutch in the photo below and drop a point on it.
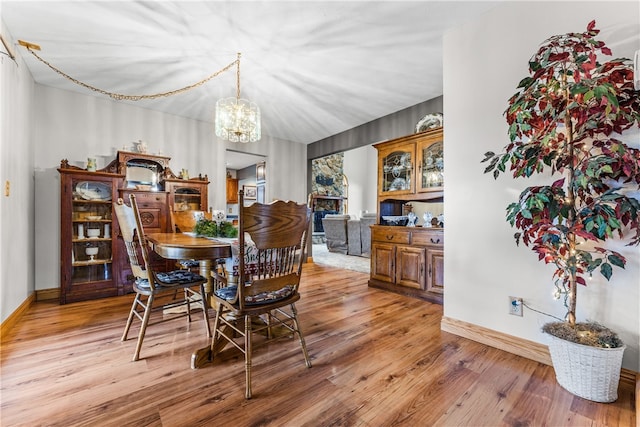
(409, 260)
(93, 258)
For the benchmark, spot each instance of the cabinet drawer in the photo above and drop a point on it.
(390, 235)
(149, 199)
(424, 237)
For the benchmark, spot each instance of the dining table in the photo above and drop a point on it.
(189, 246)
(204, 250)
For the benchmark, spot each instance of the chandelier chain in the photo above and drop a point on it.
(238, 77)
(123, 97)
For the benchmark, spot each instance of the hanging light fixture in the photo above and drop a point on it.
(237, 120)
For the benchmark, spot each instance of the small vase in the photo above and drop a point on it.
(91, 164)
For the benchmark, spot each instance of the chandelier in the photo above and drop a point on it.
(237, 119)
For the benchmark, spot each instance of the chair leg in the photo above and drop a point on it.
(296, 325)
(247, 355)
(188, 300)
(143, 326)
(205, 310)
(130, 318)
(216, 331)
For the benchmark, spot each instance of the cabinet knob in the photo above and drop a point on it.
(435, 241)
(389, 236)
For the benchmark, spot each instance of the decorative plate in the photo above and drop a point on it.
(430, 121)
(90, 190)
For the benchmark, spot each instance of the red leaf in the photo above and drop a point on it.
(580, 281)
(558, 56)
(591, 25)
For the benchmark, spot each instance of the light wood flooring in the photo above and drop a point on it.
(379, 359)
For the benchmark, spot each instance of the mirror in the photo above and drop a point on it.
(142, 173)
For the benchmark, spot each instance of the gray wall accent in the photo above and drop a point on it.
(394, 125)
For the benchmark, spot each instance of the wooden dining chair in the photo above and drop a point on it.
(267, 289)
(150, 284)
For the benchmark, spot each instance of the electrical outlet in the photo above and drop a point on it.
(515, 306)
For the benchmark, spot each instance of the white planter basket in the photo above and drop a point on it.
(588, 372)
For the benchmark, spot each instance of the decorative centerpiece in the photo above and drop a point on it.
(211, 228)
(566, 117)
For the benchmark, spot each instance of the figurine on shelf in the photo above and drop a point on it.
(427, 216)
(141, 146)
(412, 219)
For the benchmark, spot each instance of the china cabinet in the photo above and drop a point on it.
(87, 244)
(409, 260)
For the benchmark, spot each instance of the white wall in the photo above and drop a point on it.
(483, 63)
(74, 126)
(16, 167)
(360, 167)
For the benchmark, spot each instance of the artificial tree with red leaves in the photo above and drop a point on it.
(567, 117)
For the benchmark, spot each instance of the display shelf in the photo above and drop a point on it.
(92, 262)
(87, 223)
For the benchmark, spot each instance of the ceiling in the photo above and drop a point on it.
(314, 68)
(237, 160)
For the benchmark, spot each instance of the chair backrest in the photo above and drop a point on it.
(279, 232)
(185, 221)
(133, 235)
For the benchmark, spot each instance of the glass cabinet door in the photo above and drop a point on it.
(186, 198)
(91, 240)
(430, 166)
(188, 194)
(396, 167)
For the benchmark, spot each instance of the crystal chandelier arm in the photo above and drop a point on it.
(121, 97)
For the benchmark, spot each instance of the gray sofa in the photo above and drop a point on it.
(366, 221)
(349, 236)
(335, 232)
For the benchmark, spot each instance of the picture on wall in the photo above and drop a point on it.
(250, 192)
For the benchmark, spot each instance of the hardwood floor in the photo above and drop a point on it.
(379, 359)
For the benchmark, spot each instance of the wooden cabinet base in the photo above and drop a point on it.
(410, 292)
